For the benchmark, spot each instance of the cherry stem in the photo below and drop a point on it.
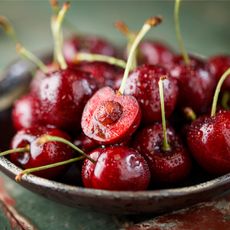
(217, 92)
(166, 146)
(225, 100)
(154, 21)
(36, 169)
(124, 29)
(178, 32)
(17, 150)
(56, 25)
(55, 6)
(47, 138)
(8, 28)
(30, 56)
(190, 114)
(101, 58)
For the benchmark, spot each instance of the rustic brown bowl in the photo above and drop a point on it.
(199, 188)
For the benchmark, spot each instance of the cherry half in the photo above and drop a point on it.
(116, 168)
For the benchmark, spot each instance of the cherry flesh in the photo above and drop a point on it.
(166, 167)
(143, 85)
(116, 168)
(41, 154)
(195, 81)
(218, 65)
(87, 44)
(62, 96)
(154, 53)
(208, 140)
(109, 117)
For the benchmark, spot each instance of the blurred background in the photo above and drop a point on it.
(204, 24)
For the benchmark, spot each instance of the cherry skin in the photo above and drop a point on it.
(105, 74)
(116, 168)
(166, 167)
(218, 65)
(41, 154)
(195, 81)
(208, 141)
(143, 85)
(109, 117)
(154, 53)
(87, 44)
(85, 143)
(62, 96)
(25, 113)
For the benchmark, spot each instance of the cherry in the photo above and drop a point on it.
(109, 117)
(87, 44)
(85, 143)
(116, 168)
(208, 137)
(196, 83)
(218, 65)
(143, 85)
(40, 154)
(167, 158)
(25, 113)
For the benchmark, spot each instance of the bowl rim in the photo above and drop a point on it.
(8, 166)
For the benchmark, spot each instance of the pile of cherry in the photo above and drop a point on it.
(135, 124)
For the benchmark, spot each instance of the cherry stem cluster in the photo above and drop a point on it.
(217, 91)
(146, 27)
(178, 32)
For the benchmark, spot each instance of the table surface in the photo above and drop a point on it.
(205, 27)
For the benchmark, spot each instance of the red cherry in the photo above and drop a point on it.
(209, 141)
(85, 143)
(40, 155)
(196, 83)
(218, 65)
(116, 168)
(62, 96)
(105, 74)
(165, 166)
(87, 44)
(154, 53)
(25, 113)
(109, 117)
(143, 85)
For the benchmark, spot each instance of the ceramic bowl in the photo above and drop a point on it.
(198, 188)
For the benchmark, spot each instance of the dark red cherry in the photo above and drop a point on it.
(154, 53)
(104, 73)
(165, 166)
(41, 154)
(109, 117)
(87, 44)
(25, 113)
(62, 96)
(208, 139)
(116, 168)
(85, 143)
(195, 81)
(143, 85)
(218, 65)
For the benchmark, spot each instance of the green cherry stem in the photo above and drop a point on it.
(47, 138)
(56, 26)
(17, 150)
(146, 27)
(166, 146)
(178, 32)
(55, 6)
(23, 52)
(36, 169)
(8, 28)
(101, 58)
(225, 100)
(190, 114)
(217, 91)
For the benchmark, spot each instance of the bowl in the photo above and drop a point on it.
(199, 188)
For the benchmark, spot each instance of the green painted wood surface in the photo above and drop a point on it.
(205, 27)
